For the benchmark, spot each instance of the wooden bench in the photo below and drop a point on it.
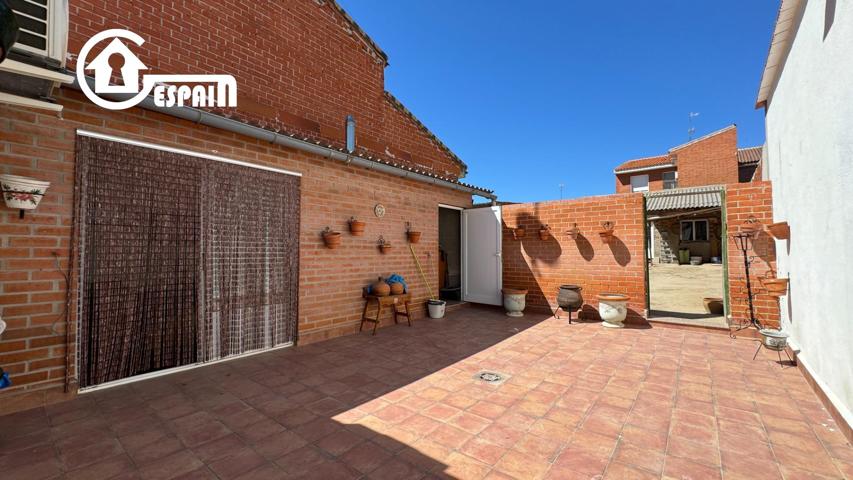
(390, 300)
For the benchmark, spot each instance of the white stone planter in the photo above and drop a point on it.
(22, 193)
(436, 308)
(514, 301)
(613, 308)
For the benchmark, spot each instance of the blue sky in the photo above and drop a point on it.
(534, 94)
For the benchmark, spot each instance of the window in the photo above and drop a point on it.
(670, 180)
(694, 230)
(639, 183)
(43, 27)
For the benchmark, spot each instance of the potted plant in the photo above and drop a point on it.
(518, 232)
(331, 239)
(22, 193)
(413, 236)
(544, 232)
(514, 301)
(384, 246)
(574, 232)
(751, 226)
(775, 287)
(356, 227)
(606, 232)
(779, 230)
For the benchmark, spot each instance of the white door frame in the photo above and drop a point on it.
(497, 257)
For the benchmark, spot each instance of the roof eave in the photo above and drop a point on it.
(643, 169)
(784, 31)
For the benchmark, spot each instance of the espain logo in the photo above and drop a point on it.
(168, 90)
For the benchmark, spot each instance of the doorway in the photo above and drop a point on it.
(450, 254)
(685, 261)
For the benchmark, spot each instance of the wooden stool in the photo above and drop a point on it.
(388, 300)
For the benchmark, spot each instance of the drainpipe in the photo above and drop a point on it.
(216, 121)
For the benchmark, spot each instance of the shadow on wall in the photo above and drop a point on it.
(620, 251)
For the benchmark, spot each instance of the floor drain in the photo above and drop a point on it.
(490, 377)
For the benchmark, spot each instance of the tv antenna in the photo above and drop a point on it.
(692, 129)
(561, 190)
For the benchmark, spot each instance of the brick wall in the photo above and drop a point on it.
(623, 181)
(742, 202)
(300, 66)
(542, 266)
(32, 287)
(710, 161)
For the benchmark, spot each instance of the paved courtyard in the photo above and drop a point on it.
(577, 401)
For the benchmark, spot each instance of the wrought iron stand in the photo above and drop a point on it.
(742, 242)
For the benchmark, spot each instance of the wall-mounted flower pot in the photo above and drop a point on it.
(356, 227)
(574, 232)
(780, 230)
(775, 287)
(606, 232)
(519, 232)
(22, 193)
(544, 232)
(751, 226)
(413, 236)
(384, 246)
(331, 239)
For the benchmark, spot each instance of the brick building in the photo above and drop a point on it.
(302, 68)
(684, 189)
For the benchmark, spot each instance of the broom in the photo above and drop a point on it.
(421, 270)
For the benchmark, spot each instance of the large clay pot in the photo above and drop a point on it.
(414, 237)
(332, 239)
(397, 288)
(569, 297)
(514, 301)
(356, 227)
(613, 308)
(380, 288)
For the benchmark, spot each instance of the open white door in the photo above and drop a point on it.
(481, 255)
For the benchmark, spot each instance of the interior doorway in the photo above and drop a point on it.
(450, 254)
(685, 252)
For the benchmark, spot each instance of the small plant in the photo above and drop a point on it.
(413, 236)
(518, 232)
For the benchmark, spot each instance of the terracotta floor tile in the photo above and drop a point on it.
(538, 447)
(487, 410)
(441, 412)
(743, 465)
(502, 435)
(581, 461)
(364, 457)
(393, 413)
(520, 465)
(697, 452)
(645, 439)
(648, 460)
(461, 467)
(450, 436)
(621, 471)
(813, 462)
(339, 442)
(679, 469)
(469, 422)
(396, 469)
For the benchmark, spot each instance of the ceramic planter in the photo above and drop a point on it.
(436, 308)
(356, 227)
(331, 239)
(22, 193)
(779, 231)
(613, 309)
(514, 301)
(775, 287)
(414, 237)
(774, 339)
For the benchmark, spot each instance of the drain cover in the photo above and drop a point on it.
(491, 377)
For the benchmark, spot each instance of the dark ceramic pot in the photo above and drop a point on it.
(569, 297)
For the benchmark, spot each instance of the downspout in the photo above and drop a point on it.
(216, 121)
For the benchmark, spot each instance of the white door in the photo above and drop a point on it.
(481, 255)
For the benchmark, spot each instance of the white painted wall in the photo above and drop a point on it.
(810, 162)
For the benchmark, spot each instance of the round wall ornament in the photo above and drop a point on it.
(379, 210)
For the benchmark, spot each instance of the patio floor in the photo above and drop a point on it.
(580, 401)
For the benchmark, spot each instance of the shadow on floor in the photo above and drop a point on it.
(303, 412)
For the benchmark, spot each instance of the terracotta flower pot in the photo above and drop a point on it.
(519, 232)
(414, 237)
(385, 247)
(775, 286)
(779, 231)
(332, 239)
(606, 232)
(356, 227)
(544, 233)
(397, 288)
(574, 232)
(380, 288)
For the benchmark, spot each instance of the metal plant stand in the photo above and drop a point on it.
(742, 242)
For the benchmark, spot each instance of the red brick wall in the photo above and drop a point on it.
(299, 65)
(542, 266)
(712, 161)
(32, 289)
(742, 202)
(623, 181)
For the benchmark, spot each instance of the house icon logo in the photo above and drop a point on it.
(132, 87)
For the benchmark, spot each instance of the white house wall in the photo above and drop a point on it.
(810, 162)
